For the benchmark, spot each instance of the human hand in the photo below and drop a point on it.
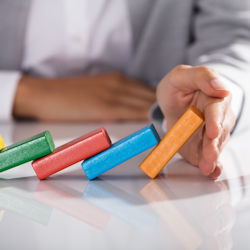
(185, 86)
(103, 97)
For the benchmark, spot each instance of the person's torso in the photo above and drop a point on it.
(72, 37)
(160, 33)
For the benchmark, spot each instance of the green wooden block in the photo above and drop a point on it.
(27, 150)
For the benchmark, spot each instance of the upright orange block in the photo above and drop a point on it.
(172, 142)
(1, 142)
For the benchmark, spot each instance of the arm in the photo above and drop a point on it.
(101, 97)
(221, 43)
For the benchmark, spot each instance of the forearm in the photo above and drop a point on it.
(101, 97)
(222, 42)
(35, 96)
(28, 97)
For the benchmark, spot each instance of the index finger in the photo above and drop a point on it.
(190, 79)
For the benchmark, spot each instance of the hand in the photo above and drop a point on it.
(199, 86)
(102, 97)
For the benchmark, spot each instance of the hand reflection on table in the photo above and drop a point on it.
(198, 211)
(165, 208)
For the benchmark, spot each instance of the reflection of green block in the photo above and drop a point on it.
(27, 150)
(20, 202)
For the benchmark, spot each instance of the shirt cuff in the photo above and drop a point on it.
(8, 84)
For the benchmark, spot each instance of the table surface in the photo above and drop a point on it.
(123, 208)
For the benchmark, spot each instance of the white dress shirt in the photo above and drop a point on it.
(70, 37)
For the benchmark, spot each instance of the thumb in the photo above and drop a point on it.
(189, 79)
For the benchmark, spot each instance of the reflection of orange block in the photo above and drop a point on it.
(71, 205)
(1, 142)
(172, 142)
(165, 208)
(1, 214)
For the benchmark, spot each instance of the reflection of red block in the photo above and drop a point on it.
(71, 205)
(72, 152)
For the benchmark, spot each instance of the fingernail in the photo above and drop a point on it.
(216, 84)
(216, 173)
(209, 172)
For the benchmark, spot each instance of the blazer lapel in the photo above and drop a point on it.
(138, 14)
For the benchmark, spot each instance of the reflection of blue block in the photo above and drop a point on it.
(116, 206)
(121, 151)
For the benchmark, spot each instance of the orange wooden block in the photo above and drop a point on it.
(172, 142)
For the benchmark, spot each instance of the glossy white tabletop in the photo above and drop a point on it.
(124, 209)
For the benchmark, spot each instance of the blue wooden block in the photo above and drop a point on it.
(121, 151)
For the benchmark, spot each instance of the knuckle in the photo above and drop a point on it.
(225, 132)
(229, 97)
(233, 121)
(230, 119)
(205, 71)
(177, 71)
(180, 67)
(224, 139)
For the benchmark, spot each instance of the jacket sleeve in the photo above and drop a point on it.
(221, 40)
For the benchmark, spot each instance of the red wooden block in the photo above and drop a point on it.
(72, 152)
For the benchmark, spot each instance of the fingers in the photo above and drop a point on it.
(217, 172)
(209, 156)
(214, 114)
(208, 165)
(190, 79)
(199, 86)
(214, 117)
(219, 120)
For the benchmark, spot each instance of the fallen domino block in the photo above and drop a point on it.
(172, 142)
(121, 151)
(27, 150)
(71, 153)
(1, 142)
